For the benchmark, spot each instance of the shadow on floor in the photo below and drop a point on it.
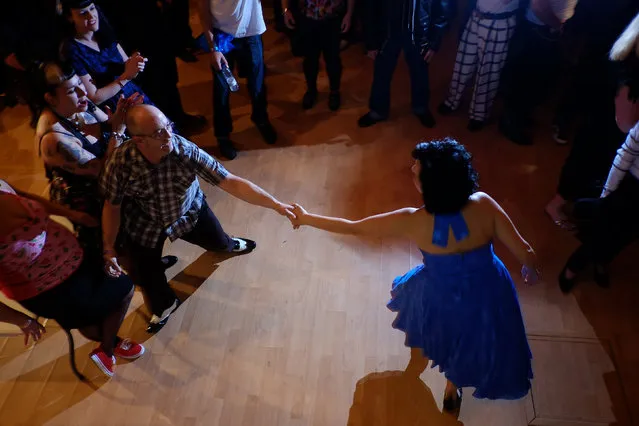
(393, 398)
(56, 374)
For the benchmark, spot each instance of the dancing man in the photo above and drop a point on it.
(156, 171)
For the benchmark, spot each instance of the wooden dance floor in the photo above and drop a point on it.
(297, 333)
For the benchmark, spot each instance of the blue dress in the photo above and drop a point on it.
(104, 67)
(462, 310)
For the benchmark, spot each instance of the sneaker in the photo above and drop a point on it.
(309, 99)
(190, 125)
(105, 363)
(268, 132)
(243, 245)
(128, 349)
(334, 101)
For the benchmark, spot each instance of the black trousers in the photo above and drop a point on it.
(148, 270)
(321, 38)
(530, 72)
(608, 225)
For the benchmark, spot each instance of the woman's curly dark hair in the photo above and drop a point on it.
(447, 176)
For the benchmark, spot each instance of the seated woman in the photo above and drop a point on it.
(43, 267)
(459, 308)
(610, 224)
(104, 68)
(74, 138)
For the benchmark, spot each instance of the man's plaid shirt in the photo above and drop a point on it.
(161, 199)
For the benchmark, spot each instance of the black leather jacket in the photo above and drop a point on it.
(426, 20)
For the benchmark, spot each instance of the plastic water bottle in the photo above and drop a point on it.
(230, 79)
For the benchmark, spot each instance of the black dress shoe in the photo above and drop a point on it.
(370, 119)
(309, 99)
(334, 101)
(565, 284)
(601, 276)
(191, 124)
(268, 132)
(226, 148)
(444, 109)
(514, 133)
(243, 245)
(187, 56)
(154, 327)
(169, 261)
(427, 119)
(453, 404)
(475, 125)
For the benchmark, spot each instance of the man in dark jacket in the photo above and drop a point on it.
(417, 28)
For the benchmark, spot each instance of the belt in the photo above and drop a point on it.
(495, 16)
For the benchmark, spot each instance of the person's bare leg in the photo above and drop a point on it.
(418, 362)
(107, 332)
(111, 324)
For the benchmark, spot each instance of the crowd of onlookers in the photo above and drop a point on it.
(100, 79)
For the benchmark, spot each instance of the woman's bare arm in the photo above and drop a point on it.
(391, 224)
(507, 233)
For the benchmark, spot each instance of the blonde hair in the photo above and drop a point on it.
(627, 42)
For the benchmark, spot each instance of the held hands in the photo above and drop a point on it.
(300, 215)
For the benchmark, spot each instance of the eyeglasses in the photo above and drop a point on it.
(163, 132)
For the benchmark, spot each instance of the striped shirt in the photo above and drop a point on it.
(627, 160)
(162, 200)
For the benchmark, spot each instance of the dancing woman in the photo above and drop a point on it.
(460, 308)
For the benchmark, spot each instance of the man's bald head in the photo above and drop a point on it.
(144, 120)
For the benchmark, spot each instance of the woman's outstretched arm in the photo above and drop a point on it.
(391, 224)
(507, 233)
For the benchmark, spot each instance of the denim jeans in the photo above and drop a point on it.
(385, 64)
(248, 54)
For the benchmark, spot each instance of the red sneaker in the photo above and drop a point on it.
(128, 349)
(104, 362)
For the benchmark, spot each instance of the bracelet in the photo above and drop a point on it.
(119, 81)
(119, 137)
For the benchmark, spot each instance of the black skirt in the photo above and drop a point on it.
(86, 298)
